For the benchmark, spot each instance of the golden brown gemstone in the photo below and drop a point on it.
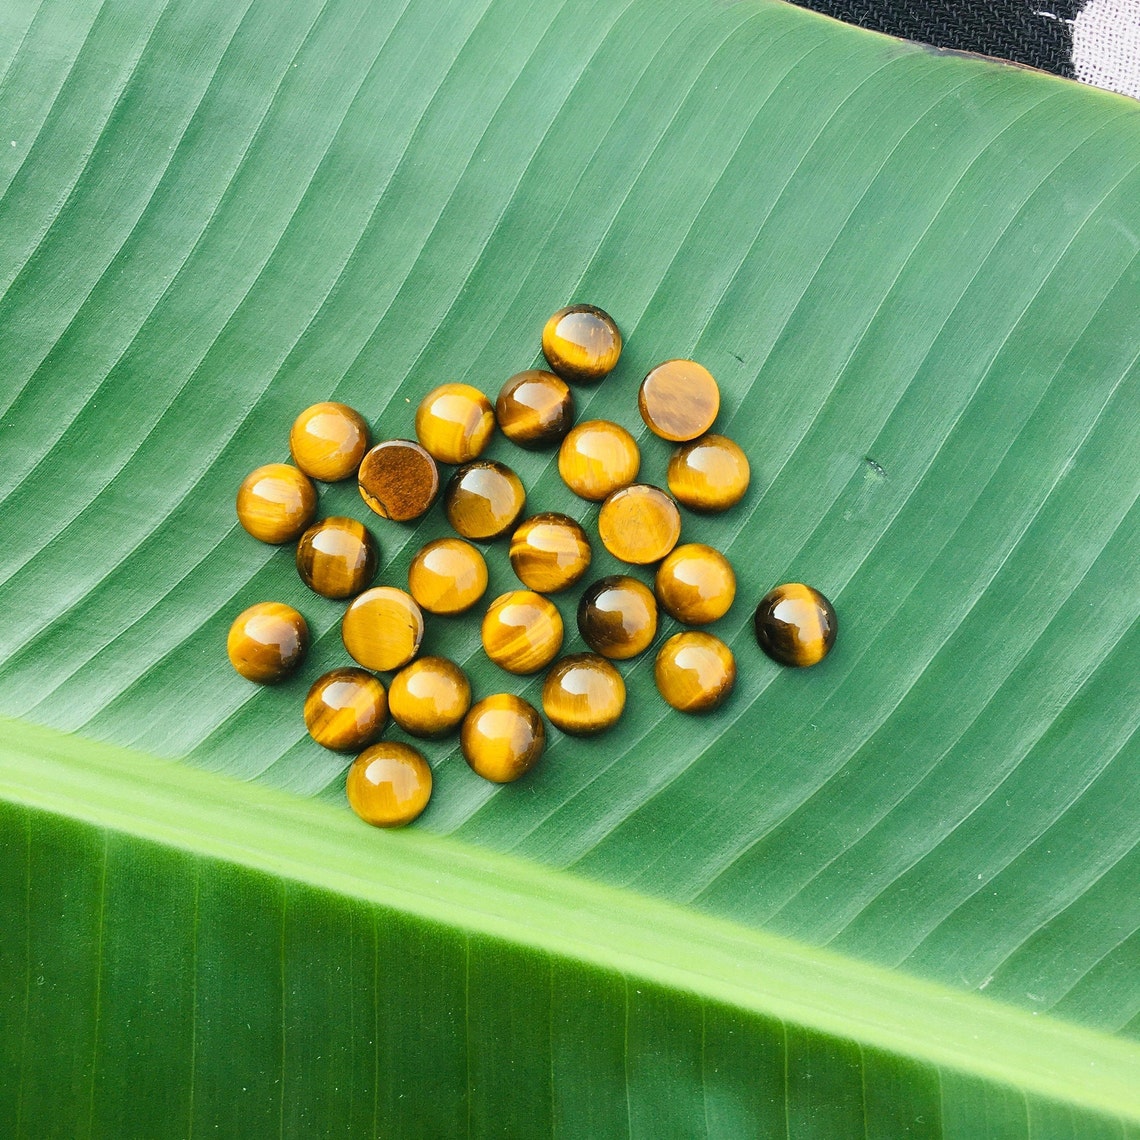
(389, 784)
(429, 697)
(337, 557)
(709, 474)
(502, 737)
(535, 408)
(679, 400)
(399, 480)
(484, 500)
(276, 502)
(583, 694)
(795, 624)
(695, 584)
(550, 552)
(454, 422)
(617, 616)
(522, 631)
(581, 343)
(382, 628)
(694, 671)
(346, 710)
(328, 441)
(447, 576)
(267, 642)
(598, 458)
(639, 524)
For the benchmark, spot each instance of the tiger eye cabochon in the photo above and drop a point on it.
(328, 441)
(795, 625)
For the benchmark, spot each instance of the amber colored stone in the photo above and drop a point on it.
(679, 400)
(583, 694)
(694, 671)
(550, 552)
(795, 624)
(502, 737)
(389, 784)
(695, 584)
(484, 500)
(276, 502)
(382, 628)
(447, 576)
(328, 441)
(337, 557)
(346, 710)
(399, 480)
(534, 408)
(429, 697)
(598, 458)
(522, 631)
(267, 642)
(454, 422)
(639, 524)
(581, 343)
(617, 616)
(709, 474)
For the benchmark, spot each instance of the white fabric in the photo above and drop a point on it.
(1106, 45)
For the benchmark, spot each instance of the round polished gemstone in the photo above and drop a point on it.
(795, 624)
(695, 584)
(448, 576)
(550, 552)
(389, 784)
(709, 474)
(679, 400)
(597, 458)
(694, 671)
(583, 694)
(399, 480)
(454, 422)
(502, 737)
(581, 343)
(328, 441)
(429, 697)
(337, 557)
(522, 631)
(276, 502)
(535, 408)
(639, 524)
(484, 500)
(617, 617)
(382, 628)
(346, 710)
(267, 642)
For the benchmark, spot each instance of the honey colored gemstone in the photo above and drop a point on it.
(795, 624)
(328, 441)
(502, 738)
(617, 617)
(709, 474)
(399, 480)
(430, 697)
(454, 422)
(276, 502)
(534, 408)
(695, 584)
(484, 500)
(337, 557)
(598, 458)
(550, 552)
(583, 694)
(346, 710)
(447, 576)
(267, 642)
(389, 784)
(382, 628)
(522, 631)
(694, 671)
(639, 524)
(679, 400)
(581, 343)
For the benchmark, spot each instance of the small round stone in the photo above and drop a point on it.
(382, 628)
(484, 500)
(534, 408)
(639, 524)
(328, 441)
(389, 784)
(429, 697)
(337, 557)
(502, 738)
(583, 694)
(454, 422)
(276, 502)
(597, 458)
(795, 624)
(695, 584)
(399, 480)
(709, 474)
(448, 576)
(267, 642)
(679, 400)
(522, 631)
(581, 343)
(550, 552)
(346, 710)
(694, 671)
(617, 617)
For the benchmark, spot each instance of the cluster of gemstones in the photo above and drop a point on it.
(502, 736)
